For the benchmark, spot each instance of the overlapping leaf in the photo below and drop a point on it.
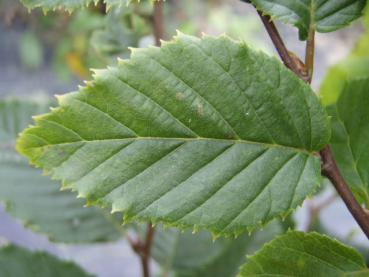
(305, 255)
(202, 133)
(350, 135)
(320, 15)
(18, 262)
(35, 199)
(197, 255)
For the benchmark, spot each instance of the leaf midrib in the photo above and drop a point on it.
(234, 141)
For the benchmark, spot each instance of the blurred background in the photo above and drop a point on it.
(43, 54)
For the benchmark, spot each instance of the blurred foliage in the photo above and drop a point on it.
(94, 37)
(356, 65)
(30, 51)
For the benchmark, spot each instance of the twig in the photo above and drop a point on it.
(146, 251)
(158, 23)
(309, 55)
(329, 166)
(315, 209)
(143, 249)
(331, 171)
(289, 60)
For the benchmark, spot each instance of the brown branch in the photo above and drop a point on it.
(143, 249)
(146, 251)
(315, 209)
(158, 23)
(331, 171)
(329, 166)
(289, 60)
(309, 55)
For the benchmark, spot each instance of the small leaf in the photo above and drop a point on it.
(305, 255)
(350, 135)
(200, 132)
(18, 262)
(197, 255)
(322, 15)
(35, 199)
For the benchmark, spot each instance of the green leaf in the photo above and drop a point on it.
(185, 254)
(362, 45)
(35, 199)
(69, 5)
(320, 15)
(305, 255)
(339, 74)
(18, 262)
(350, 135)
(202, 133)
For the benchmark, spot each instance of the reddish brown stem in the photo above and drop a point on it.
(279, 44)
(146, 251)
(309, 55)
(331, 171)
(143, 249)
(158, 24)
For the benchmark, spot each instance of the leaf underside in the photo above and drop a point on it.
(320, 15)
(16, 261)
(350, 135)
(201, 133)
(35, 199)
(305, 255)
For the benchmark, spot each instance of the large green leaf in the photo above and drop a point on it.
(305, 255)
(35, 199)
(350, 135)
(199, 133)
(18, 262)
(197, 255)
(320, 15)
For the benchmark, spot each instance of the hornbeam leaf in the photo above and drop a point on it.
(305, 255)
(320, 15)
(35, 199)
(350, 135)
(202, 133)
(18, 262)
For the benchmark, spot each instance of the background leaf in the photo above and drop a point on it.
(193, 134)
(350, 135)
(35, 199)
(341, 73)
(305, 255)
(321, 15)
(15, 261)
(191, 255)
